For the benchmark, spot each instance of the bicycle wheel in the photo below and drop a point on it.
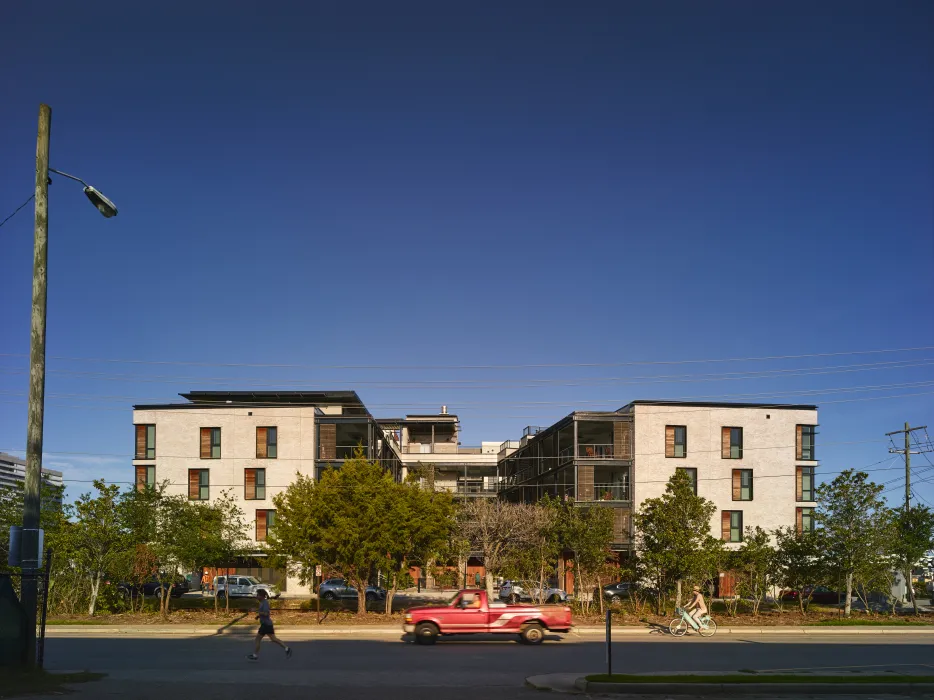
(678, 627)
(710, 630)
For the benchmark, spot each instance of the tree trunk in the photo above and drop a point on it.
(678, 593)
(489, 585)
(167, 599)
(848, 606)
(215, 603)
(599, 594)
(911, 591)
(361, 599)
(391, 594)
(95, 587)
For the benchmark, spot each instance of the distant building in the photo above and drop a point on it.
(13, 472)
(430, 449)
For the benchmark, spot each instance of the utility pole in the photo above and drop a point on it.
(31, 555)
(908, 430)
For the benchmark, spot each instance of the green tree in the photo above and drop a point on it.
(913, 533)
(853, 519)
(588, 534)
(224, 537)
(96, 542)
(338, 521)
(799, 565)
(672, 532)
(532, 554)
(178, 541)
(754, 561)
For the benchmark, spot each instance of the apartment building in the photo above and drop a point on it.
(13, 473)
(252, 444)
(755, 462)
(430, 448)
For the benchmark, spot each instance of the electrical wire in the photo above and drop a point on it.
(16, 211)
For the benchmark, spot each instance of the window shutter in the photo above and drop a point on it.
(140, 478)
(327, 441)
(799, 486)
(585, 484)
(249, 484)
(725, 443)
(205, 443)
(622, 440)
(737, 485)
(799, 443)
(725, 526)
(261, 526)
(669, 441)
(194, 483)
(261, 443)
(799, 520)
(140, 442)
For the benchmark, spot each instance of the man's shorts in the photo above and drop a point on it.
(266, 630)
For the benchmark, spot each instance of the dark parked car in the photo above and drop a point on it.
(618, 592)
(152, 587)
(338, 588)
(819, 594)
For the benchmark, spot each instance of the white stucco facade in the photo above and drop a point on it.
(769, 451)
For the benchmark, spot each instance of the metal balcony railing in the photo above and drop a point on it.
(595, 451)
(611, 492)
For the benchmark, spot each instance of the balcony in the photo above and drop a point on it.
(612, 492)
(507, 447)
(595, 451)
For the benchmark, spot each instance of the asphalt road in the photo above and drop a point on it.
(216, 667)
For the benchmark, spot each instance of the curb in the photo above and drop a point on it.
(773, 689)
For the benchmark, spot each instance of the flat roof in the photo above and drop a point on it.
(722, 404)
(258, 399)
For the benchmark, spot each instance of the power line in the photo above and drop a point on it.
(472, 367)
(16, 211)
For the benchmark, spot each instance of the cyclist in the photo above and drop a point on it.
(696, 606)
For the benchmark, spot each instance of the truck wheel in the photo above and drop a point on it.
(532, 634)
(426, 633)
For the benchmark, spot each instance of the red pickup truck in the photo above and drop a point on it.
(471, 613)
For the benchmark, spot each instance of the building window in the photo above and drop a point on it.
(742, 484)
(145, 477)
(676, 441)
(804, 488)
(266, 443)
(804, 442)
(145, 442)
(731, 525)
(732, 443)
(254, 483)
(210, 443)
(804, 520)
(692, 475)
(199, 485)
(265, 519)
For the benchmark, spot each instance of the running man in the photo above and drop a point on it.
(266, 628)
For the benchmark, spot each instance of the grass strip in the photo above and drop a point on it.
(15, 682)
(858, 622)
(757, 678)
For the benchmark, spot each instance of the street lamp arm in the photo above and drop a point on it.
(70, 177)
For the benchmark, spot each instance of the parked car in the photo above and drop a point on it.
(241, 586)
(819, 594)
(514, 593)
(338, 588)
(153, 587)
(470, 612)
(618, 592)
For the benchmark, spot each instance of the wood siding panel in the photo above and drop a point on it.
(194, 483)
(249, 484)
(261, 443)
(799, 485)
(261, 526)
(799, 520)
(205, 443)
(585, 482)
(725, 443)
(799, 442)
(622, 440)
(669, 441)
(725, 526)
(140, 478)
(140, 442)
(327, 441)
(737, 485)
(620, 525)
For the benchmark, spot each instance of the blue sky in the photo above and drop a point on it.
(417, 185)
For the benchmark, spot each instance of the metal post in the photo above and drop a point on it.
(45, 606)
(907, 469)
(31, 501)
(609, 643)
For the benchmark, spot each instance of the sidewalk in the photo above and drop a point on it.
(396, 630)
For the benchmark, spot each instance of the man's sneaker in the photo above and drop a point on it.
(252, 657)
(288, 652)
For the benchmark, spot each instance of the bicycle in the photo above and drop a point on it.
(678, 627)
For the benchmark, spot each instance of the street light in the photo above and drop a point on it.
(104, 205)
(30, 554)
